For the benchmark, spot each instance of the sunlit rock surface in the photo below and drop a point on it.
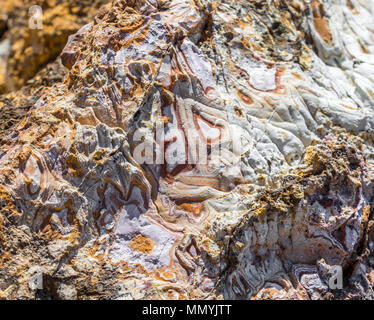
(30, 39)
(278, 94)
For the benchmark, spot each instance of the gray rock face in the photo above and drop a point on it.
(198, 149)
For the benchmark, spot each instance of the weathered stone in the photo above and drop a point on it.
(31, 49)
(282, 89)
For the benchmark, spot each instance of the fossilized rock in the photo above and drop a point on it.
(255, 123)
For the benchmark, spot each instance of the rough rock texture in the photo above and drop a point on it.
(25, 51)
(290, 82)
(14, 105)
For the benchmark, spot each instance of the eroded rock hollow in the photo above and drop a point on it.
(198, 149)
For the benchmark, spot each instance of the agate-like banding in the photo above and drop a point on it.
(288, 82)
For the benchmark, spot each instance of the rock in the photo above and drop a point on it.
(198, 149)
(15, 105)
(31, 49)
(66, 292)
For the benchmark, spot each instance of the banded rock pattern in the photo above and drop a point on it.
(279, 95)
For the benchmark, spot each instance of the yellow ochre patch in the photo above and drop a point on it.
(142, 244)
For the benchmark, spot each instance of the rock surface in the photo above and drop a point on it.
(25, 51)
(15, 105)
(106, 190)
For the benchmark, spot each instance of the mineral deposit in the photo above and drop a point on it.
(198, 149)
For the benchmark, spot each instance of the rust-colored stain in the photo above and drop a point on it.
(323, 28)
(320, 22)
(194, 208)
(142, 244)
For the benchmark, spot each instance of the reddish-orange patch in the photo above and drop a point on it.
(243, 97)
(142, 244)
(320, 22)
(323, 29)
(194, 208)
